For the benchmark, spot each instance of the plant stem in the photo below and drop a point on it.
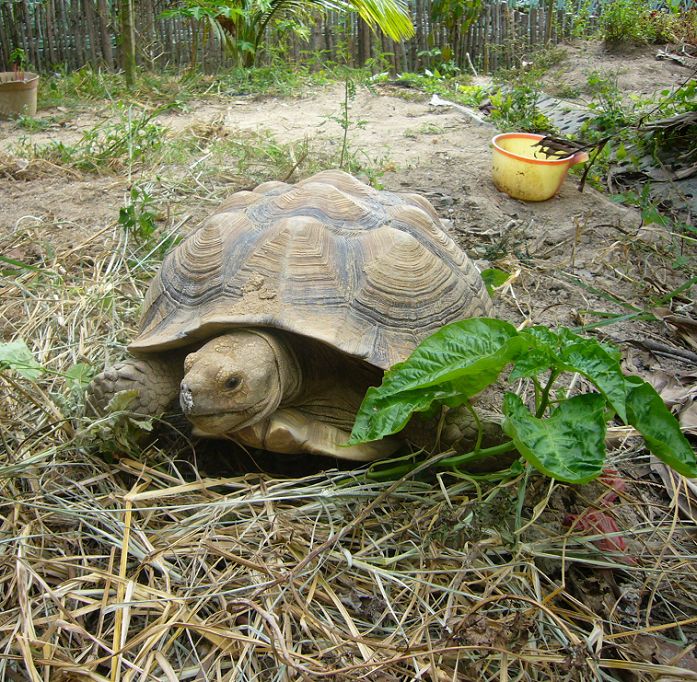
(475, 456)
(345, 122)
(448, 462)
(544, 398)
(522, 489)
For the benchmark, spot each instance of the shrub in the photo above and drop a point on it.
(629, 21)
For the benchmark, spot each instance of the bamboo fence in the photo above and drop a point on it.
(69, 34)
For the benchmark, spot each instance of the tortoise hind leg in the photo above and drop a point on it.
(156, 382)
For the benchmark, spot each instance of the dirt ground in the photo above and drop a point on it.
(637, 71)
(436, 151)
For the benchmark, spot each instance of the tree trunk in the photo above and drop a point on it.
(549, 24)
(105, 32)
(128, 54)
(363, 42)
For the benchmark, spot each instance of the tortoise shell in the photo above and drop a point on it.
(368, 272)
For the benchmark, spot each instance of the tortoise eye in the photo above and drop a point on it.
(232, 382)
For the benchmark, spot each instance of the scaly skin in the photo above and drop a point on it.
(155, 380)
(458, 432)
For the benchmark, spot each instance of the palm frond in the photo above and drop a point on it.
(391, 16)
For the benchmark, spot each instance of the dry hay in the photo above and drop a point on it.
(17, 168)
(132, 565)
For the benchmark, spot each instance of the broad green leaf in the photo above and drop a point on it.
(531, 363)
(647, 413)
(17, 356)
(589, 358)
(378, 417)
(542, 338)
(569, 445)
(453, 364)
(458, 351)
(567, 351)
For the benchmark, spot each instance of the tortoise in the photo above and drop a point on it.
(270, 321)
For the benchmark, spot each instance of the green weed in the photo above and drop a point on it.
(624, 21)
(138, 216)
(345, 120)
(32, 124)
(561, 436)
(516, 109)
(113, 145)
(90, 86)
(633, 22)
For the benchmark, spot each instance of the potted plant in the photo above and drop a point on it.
(18, 88)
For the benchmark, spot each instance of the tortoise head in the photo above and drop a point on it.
(236, 380)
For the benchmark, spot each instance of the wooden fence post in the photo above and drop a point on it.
(128, 49)
(78, 32)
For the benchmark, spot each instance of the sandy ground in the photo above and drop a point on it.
(550, 247)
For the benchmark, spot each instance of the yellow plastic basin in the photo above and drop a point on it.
(523, 171)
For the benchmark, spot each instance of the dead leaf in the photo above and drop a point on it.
(664, 652)
(688, 418)
(686, 327)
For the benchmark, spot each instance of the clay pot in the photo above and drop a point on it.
(18, 96)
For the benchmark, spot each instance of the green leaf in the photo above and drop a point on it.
(532, 363)
(380, 416)
(24, 266)
(569, 445)
(647, 413)
(494, 278)
(589, 358)
(120, 401)
(79, 375)
(17, 356)
(392, 16)
(453, 364)
(651, 215)
(567, 351)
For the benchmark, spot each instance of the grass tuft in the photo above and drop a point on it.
(131, 562)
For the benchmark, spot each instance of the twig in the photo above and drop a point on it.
(663, 349)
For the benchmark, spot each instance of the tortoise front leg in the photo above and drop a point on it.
(156, 382)
(290, 431)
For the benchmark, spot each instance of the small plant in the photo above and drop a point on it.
(18, 57)
(561, 436)
(516, 109)
(111, 145)
(137, 216)
(16, 356)
(440, 62)
(345, 121)
(31, 123)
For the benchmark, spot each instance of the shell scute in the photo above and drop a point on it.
(369, 273)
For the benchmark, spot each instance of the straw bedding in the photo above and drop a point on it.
(121, 560)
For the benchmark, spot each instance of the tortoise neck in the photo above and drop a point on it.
(288, 365)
